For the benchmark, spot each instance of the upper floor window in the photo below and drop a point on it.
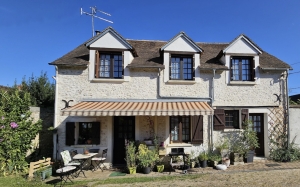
(109, 65)
(242, 69)
(181, 68)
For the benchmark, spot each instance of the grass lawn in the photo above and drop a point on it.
(20, 181)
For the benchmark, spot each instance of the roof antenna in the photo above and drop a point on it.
(94, 11)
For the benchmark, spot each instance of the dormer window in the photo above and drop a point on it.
(181, 68)
(242, 69)
(109, 65)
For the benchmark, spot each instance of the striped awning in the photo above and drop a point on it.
(104, 108)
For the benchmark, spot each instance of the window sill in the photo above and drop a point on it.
(232, 130)
(179, 145)
(109, 80)
(242, 83)
(181, 82)
(83, 146)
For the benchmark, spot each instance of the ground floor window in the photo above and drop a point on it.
(82, 133)
(180, 127)
(232, 119)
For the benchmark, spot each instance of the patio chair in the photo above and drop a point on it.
(67, 159)
(99, 161)
(64, 173)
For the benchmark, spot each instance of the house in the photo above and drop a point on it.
(189, 94)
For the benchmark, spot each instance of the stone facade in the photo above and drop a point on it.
(78, 83)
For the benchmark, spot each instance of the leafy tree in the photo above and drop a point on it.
(42, 92)
(17, 130)
(294, 102)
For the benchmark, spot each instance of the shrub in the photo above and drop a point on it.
(146, 157)
(17, 130)
(286, 153)
(130, 155)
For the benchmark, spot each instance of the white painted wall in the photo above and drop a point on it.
(294, 121)
(109, 41)
(181, 45)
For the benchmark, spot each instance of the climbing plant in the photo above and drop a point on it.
(17, 130)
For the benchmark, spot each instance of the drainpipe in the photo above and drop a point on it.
(55, 135)
(212, 100)
(288, 108)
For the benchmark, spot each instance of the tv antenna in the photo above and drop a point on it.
(94, 11)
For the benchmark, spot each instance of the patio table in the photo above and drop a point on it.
(82, 158)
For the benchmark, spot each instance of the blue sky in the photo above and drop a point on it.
(34, 33)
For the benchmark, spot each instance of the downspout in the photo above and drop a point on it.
(212, 100)
(288, 108)
(55, 135)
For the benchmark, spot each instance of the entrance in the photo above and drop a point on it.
(258, 126)
(124, 129)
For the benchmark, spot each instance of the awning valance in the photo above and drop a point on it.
(110, 108)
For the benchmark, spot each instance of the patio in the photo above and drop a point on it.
(257, 165)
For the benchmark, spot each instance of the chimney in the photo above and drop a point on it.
(97, 32)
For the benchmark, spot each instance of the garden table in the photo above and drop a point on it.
(82, 158)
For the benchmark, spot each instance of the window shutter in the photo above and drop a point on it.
(231, 70)
(123, 65)
(96, 133)
(245, 115)
(70, 133)
(197, 130)
(194, 69)
(97, 64)
(219, 119)
(170, 67)
(253, 70)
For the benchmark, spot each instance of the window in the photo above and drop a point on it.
(87, 133)
(229, 118)
(180, 128)
(109, 65)
(232, 118)
(242, 69)
(181, 68)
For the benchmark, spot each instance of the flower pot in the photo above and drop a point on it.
(132, 170)
(203, 163)
(250, 156)
(146, 170)
(46, 173)
(160, 168)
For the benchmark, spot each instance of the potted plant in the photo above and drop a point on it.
(160, 165)
(131, 157)
(203, 157)
(238, 149)
(250, 139)
(43, 172)
(214, 158)
(146, 158)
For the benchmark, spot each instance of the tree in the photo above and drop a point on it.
(17, 130)
(41, 91)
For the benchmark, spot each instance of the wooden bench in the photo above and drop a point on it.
(34, 166)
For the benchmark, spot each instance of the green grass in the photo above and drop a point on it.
(130, 180)
(16, 181)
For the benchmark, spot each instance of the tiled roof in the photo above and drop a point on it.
(149, 55)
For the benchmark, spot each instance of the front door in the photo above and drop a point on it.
(258, 126)
(124, 129)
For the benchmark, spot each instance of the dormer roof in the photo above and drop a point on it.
(183, 36)
(246, 41)
(111, 31)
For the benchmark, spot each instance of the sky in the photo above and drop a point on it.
(34, 33)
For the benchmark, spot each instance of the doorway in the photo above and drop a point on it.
(258, 126)
(124, 129)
